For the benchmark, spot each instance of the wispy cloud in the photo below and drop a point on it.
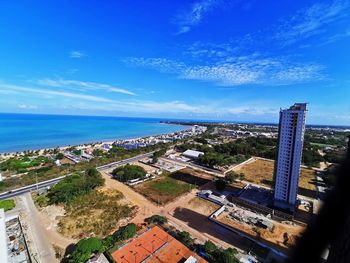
(46, 92)
(210, 108)
(76, 54)
(235, 71)
(311, 21)
(82, 85)
(194, 15)
(27, 107)
(63, 100)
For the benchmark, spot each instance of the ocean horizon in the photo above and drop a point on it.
(20, 132)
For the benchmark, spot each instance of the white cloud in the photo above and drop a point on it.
(46, 92)
(105, 105)
(235, 71)
(76, 54)
(311, 21)
(26, 106)
(251, 111)
(193, 16)
(82, 85)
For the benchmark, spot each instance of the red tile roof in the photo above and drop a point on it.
(156, 246)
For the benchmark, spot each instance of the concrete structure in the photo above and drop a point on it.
(287, 167)
(192, 154)
(100, 258)
(3, 238)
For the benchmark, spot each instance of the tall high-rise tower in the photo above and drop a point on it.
(287, 168)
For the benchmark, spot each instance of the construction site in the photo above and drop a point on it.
(16, 243)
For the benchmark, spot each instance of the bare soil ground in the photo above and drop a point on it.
(275, 236)
(180, 216)
(163, 189)
(98, 213)
(261, 172)
(167, 188)
(148, 168)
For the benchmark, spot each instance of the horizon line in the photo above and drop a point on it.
(172, 119)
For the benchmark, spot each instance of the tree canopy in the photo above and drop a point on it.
(128, 172)
(85, 248)
(75, 185)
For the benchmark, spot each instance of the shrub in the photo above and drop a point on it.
(75, 185)
(85, 248)
(123, 233)
(156, 219)
(185, 238)
(128, 172)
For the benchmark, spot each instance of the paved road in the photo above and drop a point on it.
(122, 162)
(44, 184)
(29, 188)
(195, 166)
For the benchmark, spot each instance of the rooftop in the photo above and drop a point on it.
(192, 153)
(155, 246)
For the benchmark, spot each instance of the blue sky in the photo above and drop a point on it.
(201, 59)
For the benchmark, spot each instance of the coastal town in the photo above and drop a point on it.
(203, 194)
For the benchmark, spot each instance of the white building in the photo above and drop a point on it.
(192, 154)
(287, 169)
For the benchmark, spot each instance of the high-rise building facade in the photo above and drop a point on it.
(290, 148)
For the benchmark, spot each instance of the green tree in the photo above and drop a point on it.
(158, 154)
(209, 247)
(75, 185)
(59, 156)
(185, 238)
(156, 219)
(128, 172)
(85, 248)
(231, 176)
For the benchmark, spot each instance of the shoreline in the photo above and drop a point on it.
(6, 155)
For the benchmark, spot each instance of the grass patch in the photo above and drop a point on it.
(164, 189)
(8, 204)
(40, 200)
(94, 214)
(261, 172)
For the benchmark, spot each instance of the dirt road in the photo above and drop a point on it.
(179, 215)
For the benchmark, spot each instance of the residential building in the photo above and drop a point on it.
(290, 148)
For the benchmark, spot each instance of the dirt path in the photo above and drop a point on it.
(44, 226)
(198, 225)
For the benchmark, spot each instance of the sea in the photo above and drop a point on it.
(19, 132)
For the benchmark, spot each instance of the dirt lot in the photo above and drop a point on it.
(169, 187)
(275, 236)
(261, 172)
(148, 168)
(191, 176)
(163, 189)
(96, 214)
(202, 206)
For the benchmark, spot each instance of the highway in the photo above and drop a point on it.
(44, 184)
(122, 162)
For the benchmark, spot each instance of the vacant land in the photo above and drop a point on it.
(163, 189)
(7, 204)
(202, 206)
(95, 214)
(282, 235)
(261, 172)
(148, 168)
(191, 176)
